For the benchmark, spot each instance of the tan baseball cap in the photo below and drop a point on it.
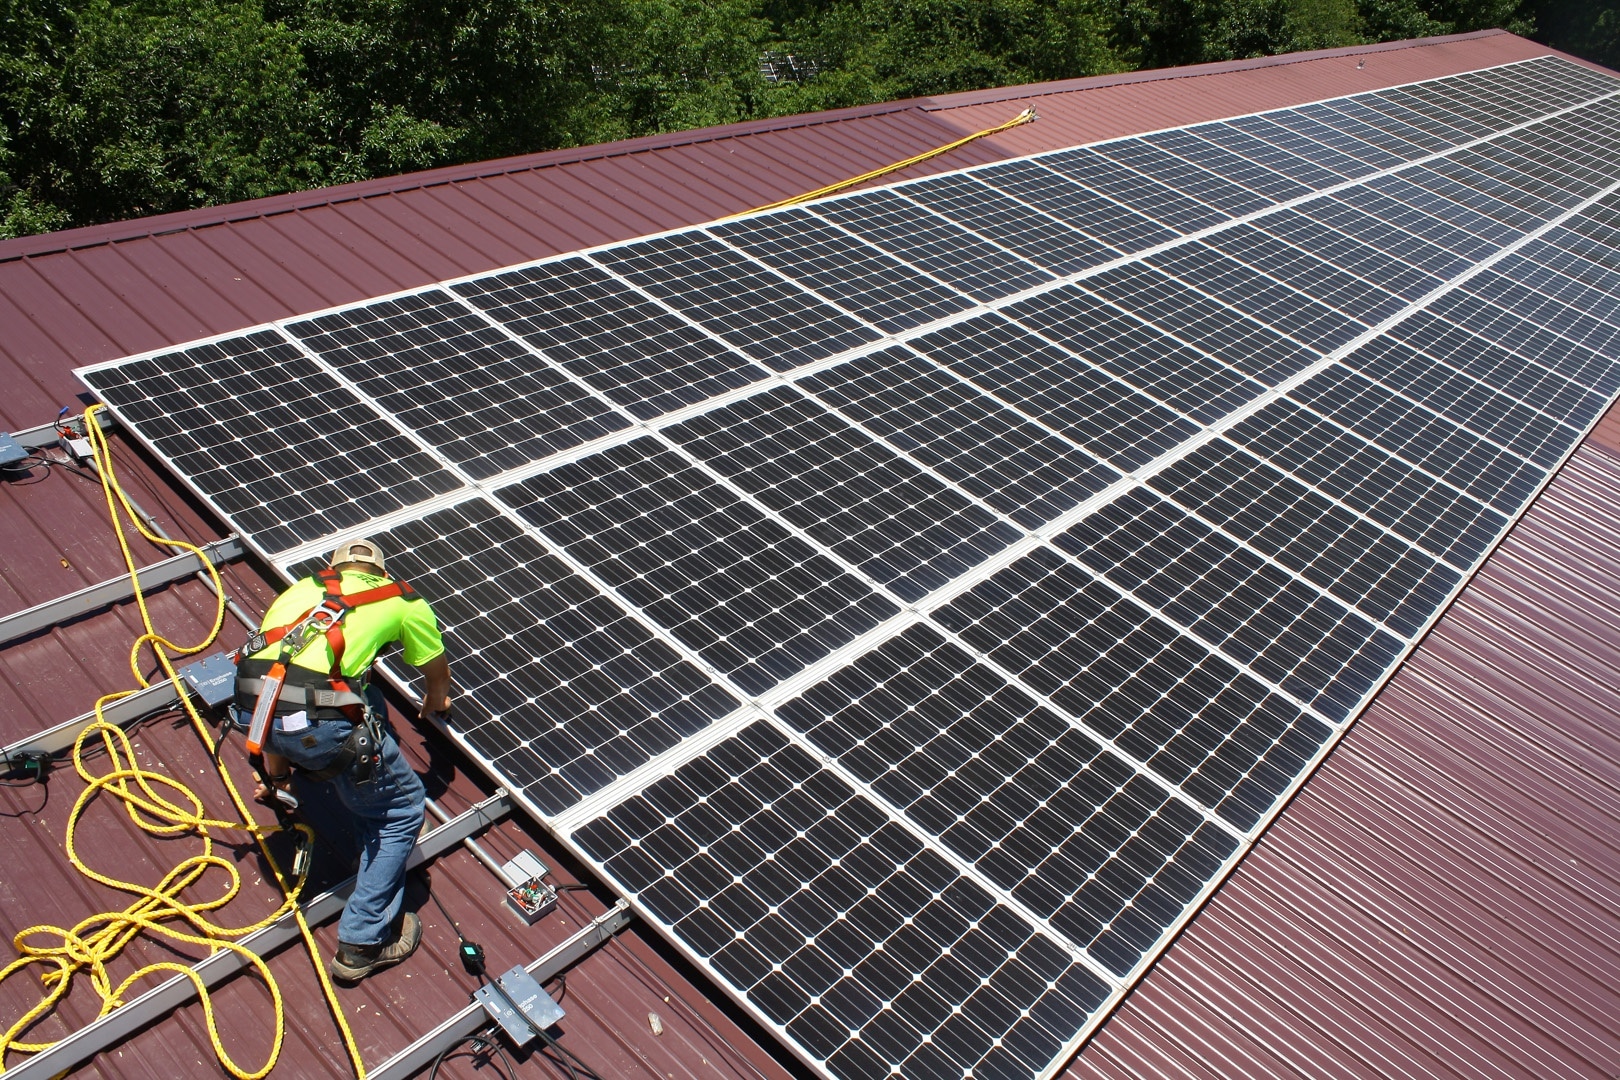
(359, 551)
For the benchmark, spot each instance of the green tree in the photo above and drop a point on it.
(1587, 28)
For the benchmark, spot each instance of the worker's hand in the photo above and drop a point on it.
(436, 710)
(269, 788)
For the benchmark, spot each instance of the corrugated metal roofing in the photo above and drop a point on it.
(1443, 897)
(1440, 899)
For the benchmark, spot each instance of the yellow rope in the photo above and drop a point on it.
(95, 941)
(1025, 117)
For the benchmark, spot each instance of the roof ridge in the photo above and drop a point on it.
(99, 235)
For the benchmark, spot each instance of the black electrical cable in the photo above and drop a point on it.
(472, 953)
(569, 1059)
(481, 1041)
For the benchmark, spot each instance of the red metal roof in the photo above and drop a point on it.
(1440, 899)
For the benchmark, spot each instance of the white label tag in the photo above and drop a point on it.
(297, 721)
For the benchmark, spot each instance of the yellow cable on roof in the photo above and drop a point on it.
(1025, 117)
(94, 942)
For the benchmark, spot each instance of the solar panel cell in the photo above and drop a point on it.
(1224, 163)
(639, 355)
(1338, 165)
(1076, 205)
(1189, 716)
(555, 683)
(1066, 827)
(1236, 140)
(481, 398)
(827, 260)
(936, 245)
(906, 529)
(1462, 398)
(1338, 551)
(287, 452)
(1203, 322)
(1013, 464)
(1140, 355)
(1186, 177)
(866, 891)
(736, 587)
(1074, 399)
(1308, 123)
(1315, 277)
(1356, 253)
(1257, 614)
(1263, 298)
(1437, 517)
(755, 310)
(1130, 188)
(1015, 225)
(1402, 426)
(1532, 383)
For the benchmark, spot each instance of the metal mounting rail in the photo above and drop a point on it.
(94, 597)
(37, 438)
(159, 697)
(163, 999)
(420, 1054)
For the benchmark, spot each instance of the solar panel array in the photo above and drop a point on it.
(916, 602)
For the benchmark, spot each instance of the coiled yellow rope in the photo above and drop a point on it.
(94, 942)
(1025, 117)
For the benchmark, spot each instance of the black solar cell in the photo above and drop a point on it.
(1221, 331)
(285, 451)
(1161, 202)
(1015, 225)
(1068, 395)
(1254, 612)
(1422, 437)
(1454, 393)
(755, 601)
(1332, 547)
(1192, 718)
(479, 397)
(836, 922)
(1015, 465)
(1076, 205)
(880, 512)
(1138, 354)
(934, 244)
(882, 290)
(636, 353)
(759, 312)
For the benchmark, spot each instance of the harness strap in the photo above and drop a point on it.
(305, 697)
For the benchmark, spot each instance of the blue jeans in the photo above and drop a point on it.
(387, 815)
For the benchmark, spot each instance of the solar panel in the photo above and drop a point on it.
(757, 311)
(916, 603)
(943, 249)
(743, 592)
(461, 384)
(278, 445)
(886, 292)
(639, 355)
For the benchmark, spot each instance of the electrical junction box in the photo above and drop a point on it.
(213, 680)
(11, 451)
(531, 897)
(77, 448)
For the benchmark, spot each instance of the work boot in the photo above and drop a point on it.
(354, 962)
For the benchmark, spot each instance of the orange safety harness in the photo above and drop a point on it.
(270, 690)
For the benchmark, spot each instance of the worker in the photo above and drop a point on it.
(328, 722)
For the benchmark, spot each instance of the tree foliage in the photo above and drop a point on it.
(117, 108)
